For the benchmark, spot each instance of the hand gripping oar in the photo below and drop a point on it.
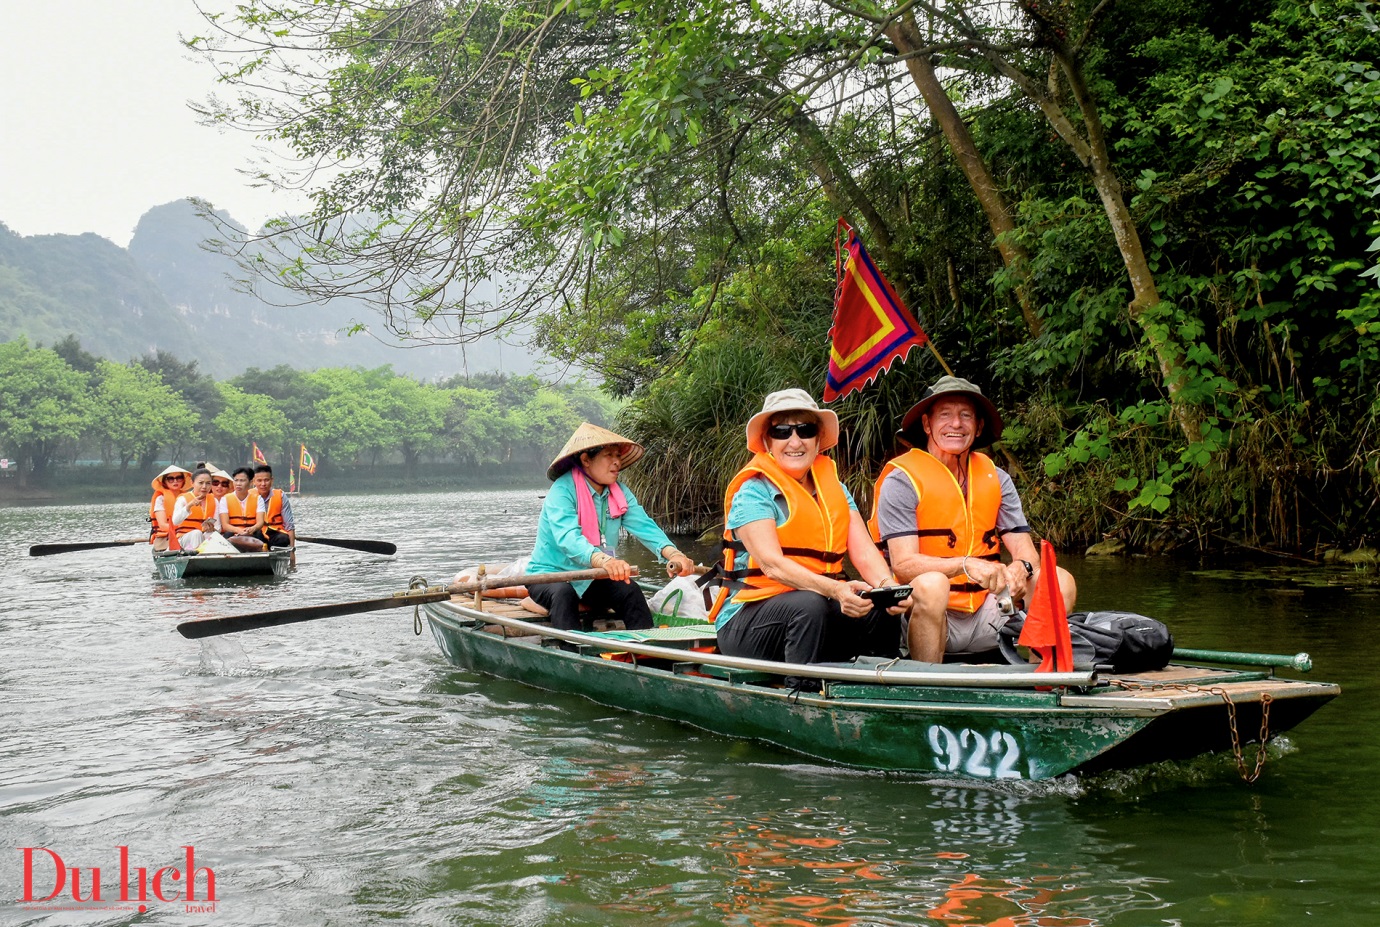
(44, 550)
(210, 627)
(369, 547)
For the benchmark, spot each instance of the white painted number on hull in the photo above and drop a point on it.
(983, 756)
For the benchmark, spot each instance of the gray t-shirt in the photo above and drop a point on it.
(896, 502)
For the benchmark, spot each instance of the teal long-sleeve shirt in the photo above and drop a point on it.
(562, 546)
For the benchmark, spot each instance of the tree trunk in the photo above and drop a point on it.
(1092, 153)
(906, 38)
(843, 192)
(1145, 294)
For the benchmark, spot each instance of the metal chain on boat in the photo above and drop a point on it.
(1237, 751)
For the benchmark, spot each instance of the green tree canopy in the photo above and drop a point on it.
(43, 403)
(139, 414)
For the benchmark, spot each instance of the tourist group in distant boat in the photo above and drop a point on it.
(189, 506)
(942, 512)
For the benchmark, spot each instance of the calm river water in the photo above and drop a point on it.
(340, 772)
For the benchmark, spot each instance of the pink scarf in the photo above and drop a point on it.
(589, 515)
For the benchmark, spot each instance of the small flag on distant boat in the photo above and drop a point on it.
(259, 457)
(307, 462)
(292, 480)
(872, 327)
(1046, 629)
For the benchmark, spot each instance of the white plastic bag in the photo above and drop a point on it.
(680, 598)
(470, 572)
(216, 544)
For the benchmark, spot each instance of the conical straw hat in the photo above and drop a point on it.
(157, 481)
(588, 437)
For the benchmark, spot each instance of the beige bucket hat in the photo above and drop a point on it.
(791, 400)
(947, 388)
(586, 438)
(157, 482)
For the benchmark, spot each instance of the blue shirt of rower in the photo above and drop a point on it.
(755, 500)
(561, 546)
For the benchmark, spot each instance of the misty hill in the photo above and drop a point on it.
(168, 292)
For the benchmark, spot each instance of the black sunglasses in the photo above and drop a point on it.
(783, 432)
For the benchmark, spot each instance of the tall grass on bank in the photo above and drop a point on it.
(1269, 488)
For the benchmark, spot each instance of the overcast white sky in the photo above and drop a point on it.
(94, 124)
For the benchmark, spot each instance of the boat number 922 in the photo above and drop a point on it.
(986, 756)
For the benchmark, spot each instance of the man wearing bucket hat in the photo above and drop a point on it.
(788, 524)
(581, 519)
(943, 510)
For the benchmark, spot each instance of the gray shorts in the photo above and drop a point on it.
(975, 632)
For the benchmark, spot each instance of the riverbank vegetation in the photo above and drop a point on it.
(63, 406)
(1147, 229)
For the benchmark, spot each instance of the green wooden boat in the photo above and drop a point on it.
(174, 565)
(988, 722)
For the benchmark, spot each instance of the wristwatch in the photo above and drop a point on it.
(1029, 570)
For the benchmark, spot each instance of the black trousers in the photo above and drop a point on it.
(273, 537)
(561, 600)
(805, 627)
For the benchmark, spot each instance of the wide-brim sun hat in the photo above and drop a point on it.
(157, 482)
(791, 400)
(950, 388)
(586, 438)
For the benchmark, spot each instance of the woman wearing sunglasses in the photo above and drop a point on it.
(789, 524)
(167, 486)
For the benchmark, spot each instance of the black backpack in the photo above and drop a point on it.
(1127, 642)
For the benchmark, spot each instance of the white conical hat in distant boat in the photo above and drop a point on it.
(157, 481)
(587, 437)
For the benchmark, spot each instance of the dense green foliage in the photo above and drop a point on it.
(159, 408)
(1190, 189)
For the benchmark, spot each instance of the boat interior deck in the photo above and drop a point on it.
(1178, 685)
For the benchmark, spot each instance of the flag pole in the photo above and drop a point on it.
(935, 352)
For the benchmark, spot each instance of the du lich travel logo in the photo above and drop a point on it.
(121, 882)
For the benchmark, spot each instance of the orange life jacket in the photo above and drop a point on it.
(197, 513)
(169, 498)
(947, 524)
(242, 514)
(273, 511)
(814, 535)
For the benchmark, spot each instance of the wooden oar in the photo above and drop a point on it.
(210, 627)
(369, 547)
(44, 550)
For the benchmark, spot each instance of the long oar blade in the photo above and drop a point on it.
(44, 550)
(211, 627)
(369, 547)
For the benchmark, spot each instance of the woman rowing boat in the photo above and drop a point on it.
(580, 523)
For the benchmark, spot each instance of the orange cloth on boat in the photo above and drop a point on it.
(814, 535)
(948, 524)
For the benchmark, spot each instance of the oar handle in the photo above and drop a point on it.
(528, 579)
(211, 627)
